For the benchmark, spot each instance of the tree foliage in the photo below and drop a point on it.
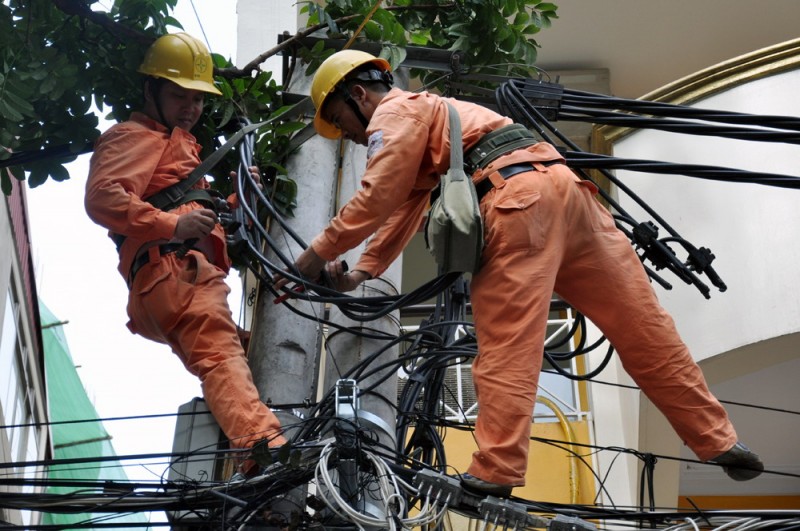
(60, 59)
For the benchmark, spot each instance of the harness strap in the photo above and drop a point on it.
(499, 142)
(202, 196)
(168, 198)
(174, 196)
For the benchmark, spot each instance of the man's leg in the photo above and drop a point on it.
(184, 304)
(603, 278)
(511, 301)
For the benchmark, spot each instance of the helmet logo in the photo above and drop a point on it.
(200, 64)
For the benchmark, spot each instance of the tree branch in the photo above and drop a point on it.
(253, 66)
(81, 9)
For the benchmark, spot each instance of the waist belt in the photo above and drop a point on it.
(483, 187)
(168, 199)
(141, 260)
(495, 144)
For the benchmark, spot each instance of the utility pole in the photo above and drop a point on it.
(285, 347)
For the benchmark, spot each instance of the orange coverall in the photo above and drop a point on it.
(544, 232)
(180, 302)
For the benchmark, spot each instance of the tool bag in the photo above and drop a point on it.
(454, 229)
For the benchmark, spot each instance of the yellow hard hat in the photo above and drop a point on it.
(182, 59)
(333, 70)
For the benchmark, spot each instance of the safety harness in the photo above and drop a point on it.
(183, 192)
(495, 144)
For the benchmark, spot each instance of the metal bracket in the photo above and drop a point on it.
(348, 407)
(346, 399)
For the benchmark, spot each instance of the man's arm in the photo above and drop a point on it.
(121, 168)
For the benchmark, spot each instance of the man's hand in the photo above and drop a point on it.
(309, 264)
(195, 224)
(255, 173)
(342, 279)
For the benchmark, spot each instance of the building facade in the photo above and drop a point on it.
(24, 437)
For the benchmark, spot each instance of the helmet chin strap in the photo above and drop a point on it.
(154, 87)
(348, 99)
(368, 75)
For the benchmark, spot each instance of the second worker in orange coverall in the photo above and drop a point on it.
(544, 232)
(174, 299)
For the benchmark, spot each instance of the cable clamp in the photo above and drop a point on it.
(346, 399)
(439, 487)
(507, 513)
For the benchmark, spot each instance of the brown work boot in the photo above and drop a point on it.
(471, 483)
(740, 463)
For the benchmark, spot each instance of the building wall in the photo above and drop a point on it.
(745, 338)
(22, 392)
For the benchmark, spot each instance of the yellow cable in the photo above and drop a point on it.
(570, 435)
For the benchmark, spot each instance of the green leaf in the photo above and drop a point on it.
(10, 113)
(58, 172)
(460, 30)
(331, 23)
(37, 177)
(5, 182)
(227, 114)
(172, 21)
(421, 38)
(531, 29)
(287, 128)
(372, 30)
(22, 106)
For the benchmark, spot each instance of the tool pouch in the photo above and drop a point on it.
(454, 229)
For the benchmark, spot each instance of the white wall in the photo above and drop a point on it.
(750, 228)
(259, 24)
(743, 336)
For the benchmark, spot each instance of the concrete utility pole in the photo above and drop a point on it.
(284, 354)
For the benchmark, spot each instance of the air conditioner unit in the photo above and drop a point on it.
(198, 437)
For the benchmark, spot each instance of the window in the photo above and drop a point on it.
(20, 440)
(459, 403)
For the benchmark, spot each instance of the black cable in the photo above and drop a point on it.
(676, 126)
(432, 350)
(716, 173)
(511, 99)
(789, 123)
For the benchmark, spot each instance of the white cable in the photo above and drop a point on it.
(750, 524)
(734, 524)
(693, 523)
(390, 489)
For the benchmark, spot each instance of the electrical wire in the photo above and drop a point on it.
(443, 340)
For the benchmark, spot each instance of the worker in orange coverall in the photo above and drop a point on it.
(174, 299)
(544, 232)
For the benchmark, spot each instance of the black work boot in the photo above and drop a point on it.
(474, 484)
(740, 463)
